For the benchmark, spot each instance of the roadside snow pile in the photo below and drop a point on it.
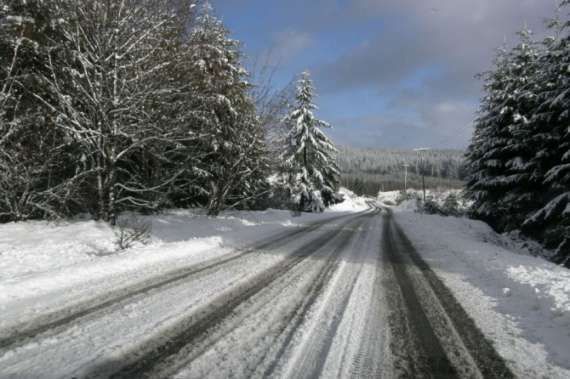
(389, 198)
(36, 246)
(351, 203)
(29, 249)
(521, 302)
(444, 202)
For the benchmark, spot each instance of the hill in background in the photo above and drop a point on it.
(367, 171)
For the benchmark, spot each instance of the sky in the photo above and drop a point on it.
(389, 73)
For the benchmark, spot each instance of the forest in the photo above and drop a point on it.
(368, 171)
(519, 158)
(142, 105)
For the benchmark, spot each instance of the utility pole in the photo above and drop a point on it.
(406, 177)
(421, 156)
(424, 185)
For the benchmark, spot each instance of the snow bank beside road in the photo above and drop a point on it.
(38, 257)
(520, 302)
(351, 203)
(32, 247)
(29, 249)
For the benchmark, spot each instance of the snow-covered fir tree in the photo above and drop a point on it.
(501, 183)
(519, 160)
(551, 142)
(309, 159)
(231, 139)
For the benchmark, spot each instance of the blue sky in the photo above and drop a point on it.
(389, 73)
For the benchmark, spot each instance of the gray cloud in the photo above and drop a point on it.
(289, 44)
(458, 36)
(453, 120)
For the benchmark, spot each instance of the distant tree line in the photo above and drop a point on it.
(367, 171)
(108, 106)
(371, 184)
(519, 158)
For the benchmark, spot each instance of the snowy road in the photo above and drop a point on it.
(345, 297)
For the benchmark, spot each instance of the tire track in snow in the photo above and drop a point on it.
(301, 315)
(369, 361)
(61, 319)
(432, 335)
(293, 300)
(346, 336)
(312, 357)
(147, 357)
(426, 354)
(328, 338)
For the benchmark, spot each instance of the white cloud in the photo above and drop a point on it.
(289, 44)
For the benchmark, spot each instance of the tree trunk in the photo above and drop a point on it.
(112, 211)
(101, 214)
(213, 202)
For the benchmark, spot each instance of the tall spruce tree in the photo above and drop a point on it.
(503, 181)
(519, 159)
(551, 140)
(309, 159)
(230, 138)
(485, 151)
(523, 193)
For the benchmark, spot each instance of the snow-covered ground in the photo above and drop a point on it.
(521, 302)
(54, 254)
(184, 239)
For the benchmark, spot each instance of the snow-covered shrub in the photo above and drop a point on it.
(405, 196)
(444, 204)
(430, 206)
(132, 231)
(331, 198)
(451, 205)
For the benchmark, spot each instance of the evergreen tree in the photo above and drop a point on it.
(551, 222)
(519, 160)
(484, 154)
(230, 139)
(309, 161)
(523, 193)
(503, 183)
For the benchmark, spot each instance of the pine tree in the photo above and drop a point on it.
(519, 160)
(490, 137)
(551, 222)
(521, 175)
(309, 161)
(230, 138)
(503, 181)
